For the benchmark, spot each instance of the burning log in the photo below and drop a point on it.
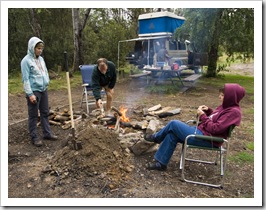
(116, 110)
(117, 124)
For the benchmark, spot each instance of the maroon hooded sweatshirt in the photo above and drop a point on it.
(217, 122)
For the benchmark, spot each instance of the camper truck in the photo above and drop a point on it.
(156, 31)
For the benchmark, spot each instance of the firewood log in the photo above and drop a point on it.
(54, 122)
(154, 108)
(61, 118)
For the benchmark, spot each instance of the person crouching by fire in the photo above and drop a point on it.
(104, 77)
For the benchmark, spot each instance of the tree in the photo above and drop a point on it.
(78, 27)
(215, 29)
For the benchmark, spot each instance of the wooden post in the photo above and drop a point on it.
(59, 69)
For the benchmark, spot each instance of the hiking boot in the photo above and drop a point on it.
(156, 166)
(52, 138)
(149, 137)
(37, 142)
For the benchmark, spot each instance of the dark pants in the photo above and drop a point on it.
(42, 105)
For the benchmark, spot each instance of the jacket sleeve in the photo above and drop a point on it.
(95, 84)
(113, 78)
(25, 70)
(220, 126)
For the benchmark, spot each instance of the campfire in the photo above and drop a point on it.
(123, 111)
(131, 128)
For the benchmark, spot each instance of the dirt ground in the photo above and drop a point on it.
(102, 168)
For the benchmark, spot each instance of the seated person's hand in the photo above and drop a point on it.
(200, 111)
(203, 107)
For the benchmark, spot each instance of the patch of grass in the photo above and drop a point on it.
(250, 146)
(61, 81)
(15, 85)
(163, 89)
(245, 81)
(242, 157)
(249, 111)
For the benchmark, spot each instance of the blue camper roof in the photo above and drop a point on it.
(159, 23)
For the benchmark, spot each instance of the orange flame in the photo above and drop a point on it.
(123, 110)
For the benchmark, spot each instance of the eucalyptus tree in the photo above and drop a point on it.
(49, 24)
(80, 17)
(217, 30)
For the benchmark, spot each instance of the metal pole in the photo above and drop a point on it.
(148, 57)
(118, 61)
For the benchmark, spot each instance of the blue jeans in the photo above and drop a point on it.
(175, 131)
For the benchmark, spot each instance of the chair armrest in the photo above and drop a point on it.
(85, 85)
(210, 138)
(191, 121)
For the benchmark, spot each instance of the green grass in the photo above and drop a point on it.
(15, 85)
(61, 82)
(250, 146)
(243, 157)
(245, 81)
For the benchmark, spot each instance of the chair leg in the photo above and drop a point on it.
(182, 156)
(86, 98)
(182, 166)
(82, 99)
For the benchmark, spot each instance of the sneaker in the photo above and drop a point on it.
(37, 143)
(108, 114)
(156, 166)
(149, 137)
(52, 138)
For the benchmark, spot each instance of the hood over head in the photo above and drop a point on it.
(31, 45)
(233, 93)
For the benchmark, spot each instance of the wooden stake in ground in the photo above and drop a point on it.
(70, 105)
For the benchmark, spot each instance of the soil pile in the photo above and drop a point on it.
(101, 155)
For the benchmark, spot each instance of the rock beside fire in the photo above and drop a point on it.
(142, 147)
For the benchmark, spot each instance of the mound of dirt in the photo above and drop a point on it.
(101, 155)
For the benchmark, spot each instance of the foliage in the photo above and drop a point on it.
(56, 32)
(214, 29)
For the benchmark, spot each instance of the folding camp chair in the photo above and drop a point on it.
(220, 152)
(87, 94)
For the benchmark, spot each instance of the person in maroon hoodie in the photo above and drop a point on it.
(212, 123)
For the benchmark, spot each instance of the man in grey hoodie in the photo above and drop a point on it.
(35, 80)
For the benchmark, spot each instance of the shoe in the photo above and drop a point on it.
(156, 166)
(37, 143)
(149, 137)
(52, 138)
(108, 114)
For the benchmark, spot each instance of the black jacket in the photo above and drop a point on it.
(100, 80)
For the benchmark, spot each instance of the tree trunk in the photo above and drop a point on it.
(78, 28)
(213, 53)
(212, 65)
(36, 27)
(75, 18)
